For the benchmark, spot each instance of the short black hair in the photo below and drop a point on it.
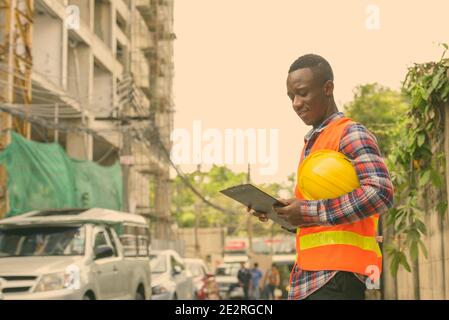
(316, 63)
(256, 264)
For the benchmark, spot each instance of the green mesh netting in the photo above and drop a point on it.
(42, 176)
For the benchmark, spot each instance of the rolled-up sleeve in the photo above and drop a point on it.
(375, 194)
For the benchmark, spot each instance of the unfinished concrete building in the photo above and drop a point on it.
(107, 65)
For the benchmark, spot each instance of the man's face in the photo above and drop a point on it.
(309, 95)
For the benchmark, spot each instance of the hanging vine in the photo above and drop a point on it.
(418, 162)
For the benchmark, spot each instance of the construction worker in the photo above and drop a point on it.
(336, 240)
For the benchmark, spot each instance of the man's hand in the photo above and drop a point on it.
(263, 215)
(292, 213)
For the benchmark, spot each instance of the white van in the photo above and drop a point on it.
(75, 254)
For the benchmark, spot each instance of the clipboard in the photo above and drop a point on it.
(251, 196)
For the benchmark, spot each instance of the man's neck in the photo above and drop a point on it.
(331, 110)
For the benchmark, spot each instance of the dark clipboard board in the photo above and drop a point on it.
(251, 196)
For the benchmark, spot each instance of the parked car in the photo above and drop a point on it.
(74, 254)
(170, 278)
(228, 283)
(205, 286)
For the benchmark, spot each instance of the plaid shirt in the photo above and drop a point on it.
(375, 195)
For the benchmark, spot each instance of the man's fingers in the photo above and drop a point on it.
(258, 213)
(282, 201)
(281, 210)
(261, 215)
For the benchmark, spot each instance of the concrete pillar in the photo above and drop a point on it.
(64, 55)
(48, 47)
(79, 82)
(79, 145)
(112, 27)
(104, 88)
(103, 21)
(162, 207)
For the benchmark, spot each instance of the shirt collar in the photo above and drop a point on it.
(323, 125)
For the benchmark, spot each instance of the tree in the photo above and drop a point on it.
(209, 184)
(381, 110)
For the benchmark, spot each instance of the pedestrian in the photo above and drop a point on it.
(271, 282)
(244, 276)
(255, 284)
(338, 251)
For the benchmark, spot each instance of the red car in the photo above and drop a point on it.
(205, 286)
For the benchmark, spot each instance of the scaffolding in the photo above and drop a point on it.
(16, 28)
(158, 17)
(143, 91)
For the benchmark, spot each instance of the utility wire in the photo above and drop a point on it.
(137, 135)
(184, 178)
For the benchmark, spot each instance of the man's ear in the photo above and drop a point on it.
(329, 88)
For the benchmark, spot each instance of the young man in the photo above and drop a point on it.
(255, 284)
(244, 276)
(340, 233)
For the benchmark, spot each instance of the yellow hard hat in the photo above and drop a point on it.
(326, 174)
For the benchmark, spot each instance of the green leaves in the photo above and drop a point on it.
(421, 226)
(398, 259)
(423, 248)
(424, 179)
(436, 178)
(421, 140)
(419, 163)
(381, 110)
(394, 266)
(442, 208)
(445, 92)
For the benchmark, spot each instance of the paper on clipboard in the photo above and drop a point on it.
(251, 196)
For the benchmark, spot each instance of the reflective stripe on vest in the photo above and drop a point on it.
(339, 237)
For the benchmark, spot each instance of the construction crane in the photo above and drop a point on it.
(16, 28)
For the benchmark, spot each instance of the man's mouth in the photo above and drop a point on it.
(302, 112)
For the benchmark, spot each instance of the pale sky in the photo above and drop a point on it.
(232, 57)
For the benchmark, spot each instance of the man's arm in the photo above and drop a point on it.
(375, 194)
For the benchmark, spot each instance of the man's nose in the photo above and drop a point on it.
(297, 103)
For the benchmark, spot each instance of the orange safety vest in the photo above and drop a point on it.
(345, 247)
